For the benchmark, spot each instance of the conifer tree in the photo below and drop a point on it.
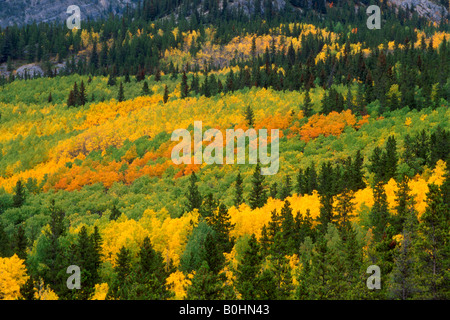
(184, 86)
(27, 290)
(20, 243)
(121, 94)
(206, 285)
(166, 94)
(19, 195)
(307, 105)
(221, 223)
(248, 271)
(238, 191)
(258, 196)
(286, 189)
(379, 214)
(249, 116)
(433, 247)
(193, 195)
(145, 89)
(4, 242)
(82, 96)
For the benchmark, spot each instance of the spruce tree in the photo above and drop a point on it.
(166, 94)
(206, 285)
(184, 86)
(193, 195)
(19, 195)
(433, 247)
(221, 223)
(379, 214)
(248, 271)
(249, 117)
(121, 94)
(115, 213)
(20, 243)
(28, 290)
(238, 191)
(307, 105)
(258, 196)
(286, 189)
(145, 89)
(82, 96)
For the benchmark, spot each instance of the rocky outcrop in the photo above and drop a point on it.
(424, 8)
(25, 11)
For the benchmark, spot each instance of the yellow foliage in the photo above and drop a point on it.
(12, 276)
(100, 291)
(179, 282)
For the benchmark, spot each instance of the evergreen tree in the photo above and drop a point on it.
(20, 243)
(19, 195)
(273, 190)
(344, 209)
(248, 271)
(238, 191)
(379, 214)
(249, 116)
(121, 94)
(82, 96)
(4, 242)
(166, 94)
(258, 196)
(111, 80)
(50, 98)
(120, 287)
(221, 223)
(145, 89)
(193, 195)
(307, 105)
(433, 247)
(286, 189)
(115, 213)
(28, 290)
(184, 86)
(206, 285)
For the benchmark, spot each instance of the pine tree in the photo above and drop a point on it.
(82, 96)
(184, 86)
(4, 242)
(121, 94)
(258, 196)
(307, 105)
(19, 195)
(379, 214)
(120, 286)
(390, 159)
(286, 189)
(248, 271)
(221, 223)
(206, 285)
(344, 209)
(27, 290)
(50, 98)
(433, 247)
(71, 99)
(403, 278)
(115, 213)
(166, 94)
(273, 190)
(289, 232)
(111, 80)
(145, 89)
(149, 282)
(20, 243)
(249, 116)
(213, 254)
(238, 191)
(193, 195)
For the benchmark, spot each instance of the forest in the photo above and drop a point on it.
(87, 179)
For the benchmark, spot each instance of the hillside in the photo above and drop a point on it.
(88, 177)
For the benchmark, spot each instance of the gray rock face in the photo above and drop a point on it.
(26, 11)
(424, 8)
